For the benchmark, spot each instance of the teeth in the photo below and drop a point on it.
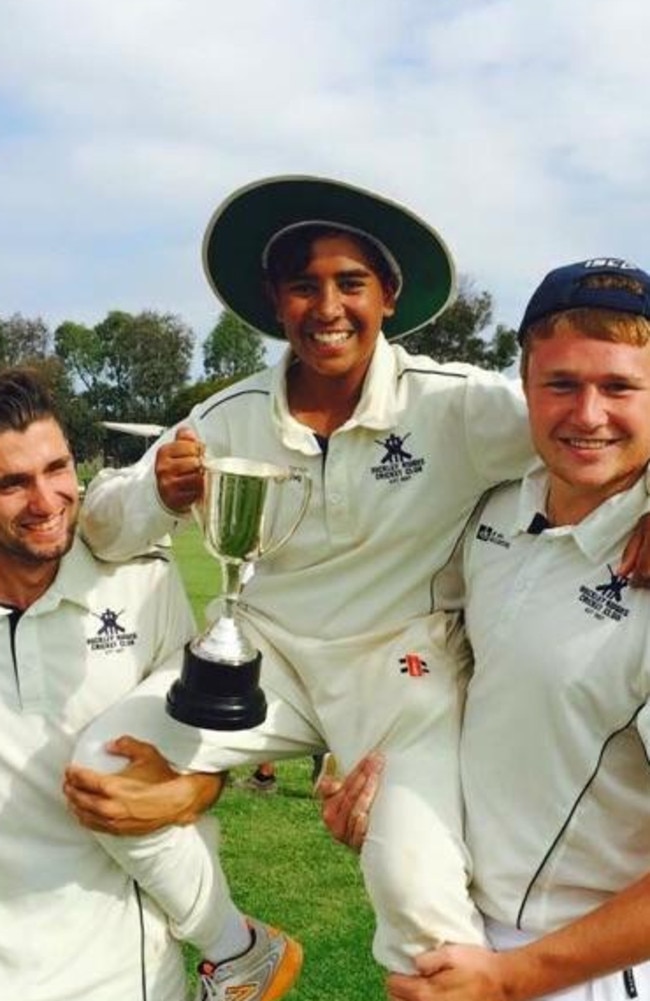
(333, 337)
(44, 526)
(591, 443)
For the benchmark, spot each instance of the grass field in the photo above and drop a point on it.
(280, 861)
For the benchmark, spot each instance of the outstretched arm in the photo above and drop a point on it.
(127, 511)
(613, 937)
(145, 796)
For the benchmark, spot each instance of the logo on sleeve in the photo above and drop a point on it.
(111, 635)
(397, 464)
(485, 533)
(605, 601)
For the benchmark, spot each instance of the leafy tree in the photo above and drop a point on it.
(81, 350)
(189, 396)
(459, 334)
(147, 360)
(131, 366)
(233, 349)
(22, 340)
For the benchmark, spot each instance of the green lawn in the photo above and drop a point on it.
(280, 861)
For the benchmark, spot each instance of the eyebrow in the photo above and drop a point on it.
(569, 373)
(18, 478)
(360, 272)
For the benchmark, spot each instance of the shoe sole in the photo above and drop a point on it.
(287, 974)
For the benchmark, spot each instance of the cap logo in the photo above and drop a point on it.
(609, 262)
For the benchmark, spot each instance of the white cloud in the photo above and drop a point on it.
(518, 128)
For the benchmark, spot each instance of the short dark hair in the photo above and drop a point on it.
(24, 398)
(290, 254)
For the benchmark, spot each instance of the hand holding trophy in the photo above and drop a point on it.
(243, 517)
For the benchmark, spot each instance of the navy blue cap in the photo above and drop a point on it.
(567, 288)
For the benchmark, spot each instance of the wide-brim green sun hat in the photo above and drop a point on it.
(242, 226)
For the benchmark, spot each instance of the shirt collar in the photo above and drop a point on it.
(597, 534)
(75, 580)
(376, 409)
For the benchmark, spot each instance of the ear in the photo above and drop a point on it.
(273, 297)
(390, 301)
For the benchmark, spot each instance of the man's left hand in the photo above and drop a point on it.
(635, 562)
(145, 796)
(452, 973)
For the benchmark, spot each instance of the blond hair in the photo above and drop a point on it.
(592, 321)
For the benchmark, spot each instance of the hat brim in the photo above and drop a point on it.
(244, 223)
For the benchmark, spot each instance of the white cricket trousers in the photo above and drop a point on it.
(399, 691)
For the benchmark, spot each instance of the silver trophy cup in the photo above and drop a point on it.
(249, 510)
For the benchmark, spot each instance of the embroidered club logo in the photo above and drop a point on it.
(414, 666)
(110, 625)
(605, 601)
(111, 634)
(397, 464)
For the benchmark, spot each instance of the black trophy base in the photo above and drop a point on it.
(217, 696)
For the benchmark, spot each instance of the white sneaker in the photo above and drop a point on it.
(265, 972)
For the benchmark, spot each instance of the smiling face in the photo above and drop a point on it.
(39, 497)
(332, 311)
(589, 407)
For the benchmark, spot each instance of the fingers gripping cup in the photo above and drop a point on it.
(249, 510)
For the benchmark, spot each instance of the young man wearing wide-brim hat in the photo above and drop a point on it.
(398, 448)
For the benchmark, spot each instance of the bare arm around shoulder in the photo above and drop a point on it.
(126, 511)
(636, 558)
(144, 797)
(612, 937)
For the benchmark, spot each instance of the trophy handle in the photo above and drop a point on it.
(298, 476)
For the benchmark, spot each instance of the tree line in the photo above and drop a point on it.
(136, 367)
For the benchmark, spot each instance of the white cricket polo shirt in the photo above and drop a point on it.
(389, 499)
(555, 765)
(69, 917)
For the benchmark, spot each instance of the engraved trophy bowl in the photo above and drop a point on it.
(249, 510)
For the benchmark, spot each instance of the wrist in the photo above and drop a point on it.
(526, 974)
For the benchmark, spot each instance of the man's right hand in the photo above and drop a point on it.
(347, 802)
(179, 471)
(143, 797)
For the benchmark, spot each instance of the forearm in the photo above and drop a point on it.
(122, 514)
(144, 797)
(612, 937)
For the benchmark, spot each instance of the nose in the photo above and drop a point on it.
(43, 499)
(589, 410)
(328, 303)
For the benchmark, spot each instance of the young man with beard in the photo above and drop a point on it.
(76, 636)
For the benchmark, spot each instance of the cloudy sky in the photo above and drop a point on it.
(519, 128)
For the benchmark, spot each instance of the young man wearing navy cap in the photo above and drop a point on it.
(354, 654)
(555, 746)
